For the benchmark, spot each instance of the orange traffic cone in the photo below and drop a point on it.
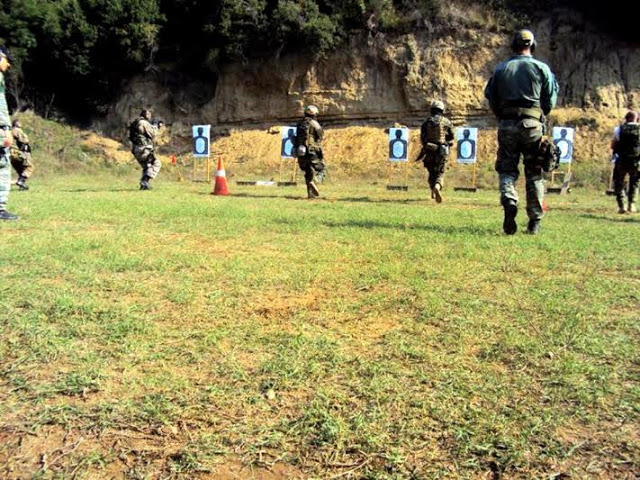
(221, 180)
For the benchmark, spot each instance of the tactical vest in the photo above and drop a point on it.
(305, 134)
(628, 145)
(434, 130)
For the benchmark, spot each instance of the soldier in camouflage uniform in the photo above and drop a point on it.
(6, 140)
(142, 134)
(21, 155)
(309, 136)
(626, 148)
(436, 136)
(521, 91)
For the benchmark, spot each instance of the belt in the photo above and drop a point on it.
(5, 127)
(521, 112)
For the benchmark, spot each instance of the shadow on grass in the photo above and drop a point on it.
(620, 219)
(101, 190)
(443, 229)
(332, 199)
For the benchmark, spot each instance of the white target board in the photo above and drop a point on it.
(398, 144)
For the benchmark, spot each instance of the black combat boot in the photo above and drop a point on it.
(22, 183)
(4, 215)
(533, 228)
(144, 183)
(312, 190)
(509, 225)
(621, 208)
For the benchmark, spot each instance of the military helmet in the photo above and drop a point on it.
(523, 39)
(311, 111)
(437, 105)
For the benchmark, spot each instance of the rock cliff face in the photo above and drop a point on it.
(379, 80)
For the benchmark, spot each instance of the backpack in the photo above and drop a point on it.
(628, 145)
(302, 136)
(134, 131)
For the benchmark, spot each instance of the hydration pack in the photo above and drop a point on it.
(134, 131)
(628, 145)
(302, 137)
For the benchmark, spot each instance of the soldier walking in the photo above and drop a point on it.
(309, 135)
(436, 136)
(142, 134)
(521, 91)
(626, 149)
(21, 155)
(6, 140)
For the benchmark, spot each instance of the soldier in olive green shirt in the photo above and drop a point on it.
(521, 91)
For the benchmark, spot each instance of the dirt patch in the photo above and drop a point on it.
(54, 451)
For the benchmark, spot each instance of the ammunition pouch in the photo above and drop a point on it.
(443, 149)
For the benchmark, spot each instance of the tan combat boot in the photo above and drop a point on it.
(436, 193)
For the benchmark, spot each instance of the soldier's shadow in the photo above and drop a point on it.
(620, 219)
(443, 229)
(101, 190)
(331, 199)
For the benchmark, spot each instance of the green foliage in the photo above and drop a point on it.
(77, 52)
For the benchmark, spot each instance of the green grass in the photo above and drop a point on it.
(371, 334)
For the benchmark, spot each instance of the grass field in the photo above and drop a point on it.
(370, 335)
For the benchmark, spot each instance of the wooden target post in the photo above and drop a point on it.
(288, 174)
(398, 186)
(565, 187)
(198, 169)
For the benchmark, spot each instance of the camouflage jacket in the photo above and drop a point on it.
(21, 140)
(145, 133)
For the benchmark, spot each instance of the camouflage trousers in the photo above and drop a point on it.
(21, 162)
(515, 138)
(5, 177)
(620, 171)
(147, 159)
(435, 163)
(313, 167)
